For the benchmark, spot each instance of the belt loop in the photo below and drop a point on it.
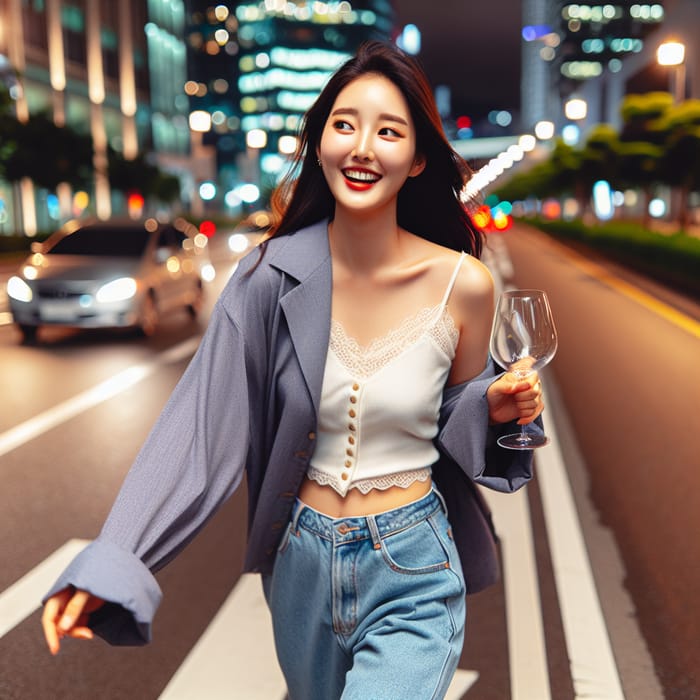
(374, 532)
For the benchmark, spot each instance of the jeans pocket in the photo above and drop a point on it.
(284, 542)
(418, 549)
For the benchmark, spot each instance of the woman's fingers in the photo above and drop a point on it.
(65, 615)
(530, 403)
(52, 609)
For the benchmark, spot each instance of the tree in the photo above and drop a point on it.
(8, 124)
(138, 175)
(680, 163)
(641, 143)
(48, 154)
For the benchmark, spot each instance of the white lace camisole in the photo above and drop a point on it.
(380, 403)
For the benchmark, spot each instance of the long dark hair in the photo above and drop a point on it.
(428, 204)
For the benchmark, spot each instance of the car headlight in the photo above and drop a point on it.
(118, 290)
(18, 289)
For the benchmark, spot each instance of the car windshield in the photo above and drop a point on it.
(103, 241)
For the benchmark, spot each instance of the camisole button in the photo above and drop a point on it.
(352, 413)
(344, 476)
(348, 463)
(351, 439)
(353, 399)
(355, 387)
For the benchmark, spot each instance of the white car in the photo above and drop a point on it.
(110, 274)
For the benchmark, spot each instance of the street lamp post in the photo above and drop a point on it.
(672, 54)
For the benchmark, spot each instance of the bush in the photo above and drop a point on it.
(673, 259)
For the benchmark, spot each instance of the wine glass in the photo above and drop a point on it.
(523, 339)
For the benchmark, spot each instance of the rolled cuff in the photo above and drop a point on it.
(130, 591)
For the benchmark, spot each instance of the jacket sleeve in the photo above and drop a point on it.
(193, 459)
(467, 438)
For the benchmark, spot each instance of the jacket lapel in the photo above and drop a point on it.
(307, 306)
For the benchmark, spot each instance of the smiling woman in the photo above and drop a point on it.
(371, 147)
(345, 371)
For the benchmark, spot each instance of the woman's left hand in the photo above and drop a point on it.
(512, 398)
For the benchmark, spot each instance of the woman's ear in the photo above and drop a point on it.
(418, 166)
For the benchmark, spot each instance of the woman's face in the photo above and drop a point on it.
(368, 145)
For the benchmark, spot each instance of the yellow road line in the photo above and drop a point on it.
(672, 315)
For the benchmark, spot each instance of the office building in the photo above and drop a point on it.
(110, 69)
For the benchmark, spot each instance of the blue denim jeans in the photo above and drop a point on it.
(368, 608)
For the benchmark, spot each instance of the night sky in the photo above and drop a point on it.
(471, 45)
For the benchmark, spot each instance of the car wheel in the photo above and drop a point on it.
(29, 333)
(148, 322)
(195, 306)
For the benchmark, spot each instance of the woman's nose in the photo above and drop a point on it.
(363, 149)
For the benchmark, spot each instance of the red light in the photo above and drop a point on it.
(551, 209)
(464, 122)
(482, 216)
(134, 204)
(208, 228)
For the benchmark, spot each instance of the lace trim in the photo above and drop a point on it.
(364, 361)
(381, 483)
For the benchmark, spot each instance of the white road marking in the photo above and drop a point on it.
(22, 598)
(235, 657)
(34, 427)
(527, 653)
(593, 669)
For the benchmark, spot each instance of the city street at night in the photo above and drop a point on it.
(351, 159)
(600, 569)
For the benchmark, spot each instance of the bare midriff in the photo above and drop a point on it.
(328, 501)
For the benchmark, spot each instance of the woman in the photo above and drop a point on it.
(345, 369)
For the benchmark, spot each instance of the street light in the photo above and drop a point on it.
(672, 54)
(576, 109)
(544, 130)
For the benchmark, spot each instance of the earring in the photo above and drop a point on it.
(318, 160)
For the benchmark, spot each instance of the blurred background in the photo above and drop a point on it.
(140, 141)
(136, 107)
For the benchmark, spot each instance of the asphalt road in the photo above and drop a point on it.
(628, 370)
(621, 390)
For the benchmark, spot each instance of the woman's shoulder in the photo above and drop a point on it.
(473, 277)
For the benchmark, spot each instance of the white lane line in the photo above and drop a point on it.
(593, 669)
(527, 653)
(22, 598)
(461, 683)
(235, 657)
(42, 422)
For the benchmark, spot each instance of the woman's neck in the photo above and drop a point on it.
(365, 244)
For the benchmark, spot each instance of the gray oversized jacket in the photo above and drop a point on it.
(248, 402)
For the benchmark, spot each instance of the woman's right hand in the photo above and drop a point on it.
(65, 615)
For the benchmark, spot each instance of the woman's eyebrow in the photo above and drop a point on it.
(384, 115)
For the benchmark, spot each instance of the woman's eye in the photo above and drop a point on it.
(388, 131)
(342, 125)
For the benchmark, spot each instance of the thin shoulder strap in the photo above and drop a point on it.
(453, 279)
